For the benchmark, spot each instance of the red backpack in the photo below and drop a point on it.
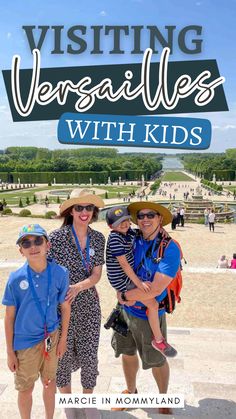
(174, 288)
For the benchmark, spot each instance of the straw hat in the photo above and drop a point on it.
(81, 196)
(135, 207)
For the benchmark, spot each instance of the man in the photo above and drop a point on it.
(150, 217)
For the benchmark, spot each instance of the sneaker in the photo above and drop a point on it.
(164, 347)
(122, 409)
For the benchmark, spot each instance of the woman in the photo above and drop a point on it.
(223, 262)
(233, 262)
(80, 249)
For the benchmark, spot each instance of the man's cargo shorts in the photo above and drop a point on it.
(139, 339)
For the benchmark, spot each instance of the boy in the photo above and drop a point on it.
(32, 295)
(120, 264)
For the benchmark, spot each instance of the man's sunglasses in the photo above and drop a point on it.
(149, 215)
(26, 244)
(80, 208)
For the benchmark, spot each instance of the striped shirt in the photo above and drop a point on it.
(119, 244)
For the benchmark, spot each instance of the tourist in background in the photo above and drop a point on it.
(206, 216)
(223, 262)
(233, 262)
(181, 213)
(211, 220)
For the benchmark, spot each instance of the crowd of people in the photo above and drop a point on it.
(62, 270)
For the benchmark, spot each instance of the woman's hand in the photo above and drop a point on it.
(61, 347)
(72, 292)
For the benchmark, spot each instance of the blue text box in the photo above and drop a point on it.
(134, 131)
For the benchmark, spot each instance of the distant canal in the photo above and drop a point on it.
(172, 163)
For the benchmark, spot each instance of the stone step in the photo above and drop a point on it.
(204, 372)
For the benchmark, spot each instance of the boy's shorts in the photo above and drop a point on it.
(139, 339)
(32, 363)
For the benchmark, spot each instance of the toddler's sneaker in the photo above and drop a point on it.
(164, 347)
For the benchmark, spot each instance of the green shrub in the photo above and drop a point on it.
(58, 200)
(27, 201)
(50, 214)
(24, 213)
(20, 203)
(35, 199)
(7, 211)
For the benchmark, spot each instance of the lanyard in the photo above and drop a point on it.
(147, 257)
(87, 261)
(35, 297)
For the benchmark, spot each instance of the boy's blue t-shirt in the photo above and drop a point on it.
(29, 325)
(146, 268)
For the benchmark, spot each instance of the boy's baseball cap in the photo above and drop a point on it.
(116, 215)
(31, 230)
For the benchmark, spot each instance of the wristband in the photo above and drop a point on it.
(123, 297)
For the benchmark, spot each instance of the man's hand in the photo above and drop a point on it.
(144, 286)
(61, 347)
(12, 361)
(127, 303)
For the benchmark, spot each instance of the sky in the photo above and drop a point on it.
(218, 42)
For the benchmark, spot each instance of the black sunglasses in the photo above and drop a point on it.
(149, 215)
(80, 208)
(26, 244)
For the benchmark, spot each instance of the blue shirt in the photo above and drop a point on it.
(146, 268)
(29, 324)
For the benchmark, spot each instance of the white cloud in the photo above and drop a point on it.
(8, 35)
(103, 13)
(224, 128)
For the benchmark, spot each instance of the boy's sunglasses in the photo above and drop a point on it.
(80, 208)
(149, 215)
(26, 244)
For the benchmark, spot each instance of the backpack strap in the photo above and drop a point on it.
(162, 247)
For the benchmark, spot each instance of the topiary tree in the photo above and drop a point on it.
(20, 203)
(27, 201)
(58, 200)
(34, 199)
(50, 214)
(24, 213)
(106, 195)
(7, 211)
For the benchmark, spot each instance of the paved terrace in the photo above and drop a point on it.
(204, 372)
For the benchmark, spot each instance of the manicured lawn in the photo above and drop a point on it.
(12, 197)
(230, 188)
(176, 177)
